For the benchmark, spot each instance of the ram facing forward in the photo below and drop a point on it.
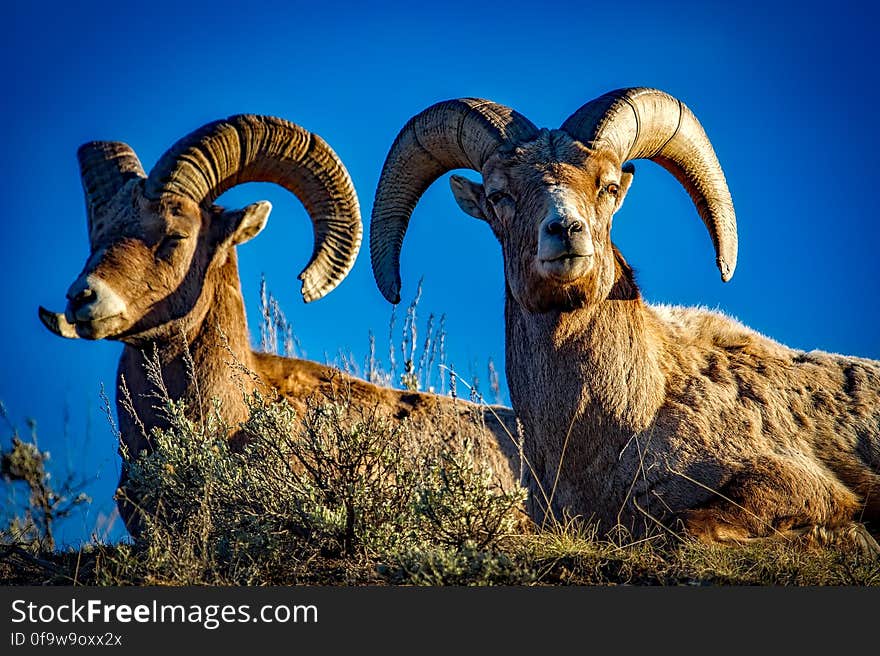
(162, 277)
(635, 415)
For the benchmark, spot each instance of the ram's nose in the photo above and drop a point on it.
(80, 298)
(564, 227)
(564, 235)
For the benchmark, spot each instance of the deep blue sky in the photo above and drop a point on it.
(788, 99)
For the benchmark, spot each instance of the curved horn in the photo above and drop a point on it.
(640, 123)
(105, 166)
(57, 323)
(251, 148)
(452, 134)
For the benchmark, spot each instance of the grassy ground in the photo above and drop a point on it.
(347, 498)
(549, 560)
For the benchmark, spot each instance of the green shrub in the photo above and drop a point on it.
(343, 485)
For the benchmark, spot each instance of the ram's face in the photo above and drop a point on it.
(550, 203)
(147, 271)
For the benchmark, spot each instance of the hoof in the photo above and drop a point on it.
(851, 537)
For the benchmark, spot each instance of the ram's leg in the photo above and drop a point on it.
(782, 500)
(851, 536)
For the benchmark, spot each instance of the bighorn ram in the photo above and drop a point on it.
(163, 268)
(633, 414)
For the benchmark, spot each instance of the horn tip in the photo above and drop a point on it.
(389, 285)
(56, 323)
(725, 269)
(45, 316)
(307, 290)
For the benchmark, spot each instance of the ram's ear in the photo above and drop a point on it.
(626, 178)
(469, 196)
(245, 224)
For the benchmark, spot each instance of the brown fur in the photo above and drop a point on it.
(173, 263)
(655, 416)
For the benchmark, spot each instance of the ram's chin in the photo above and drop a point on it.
(105, 328)
(565, 269)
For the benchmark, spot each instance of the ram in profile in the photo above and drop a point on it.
(636, 415)
(162, 277)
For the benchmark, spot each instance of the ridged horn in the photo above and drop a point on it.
(105, 166)
(641, 123)
(449, 135)
(253, 148)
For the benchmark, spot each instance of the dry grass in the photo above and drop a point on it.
(344, 496)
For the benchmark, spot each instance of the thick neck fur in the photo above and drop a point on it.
(595, 345)
(193, 368)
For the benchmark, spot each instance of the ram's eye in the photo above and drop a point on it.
(612, 188)
(497, 196)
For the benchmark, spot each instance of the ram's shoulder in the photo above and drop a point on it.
(713, 327)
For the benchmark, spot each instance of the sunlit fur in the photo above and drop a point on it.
(173, 264)
(670, 417)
